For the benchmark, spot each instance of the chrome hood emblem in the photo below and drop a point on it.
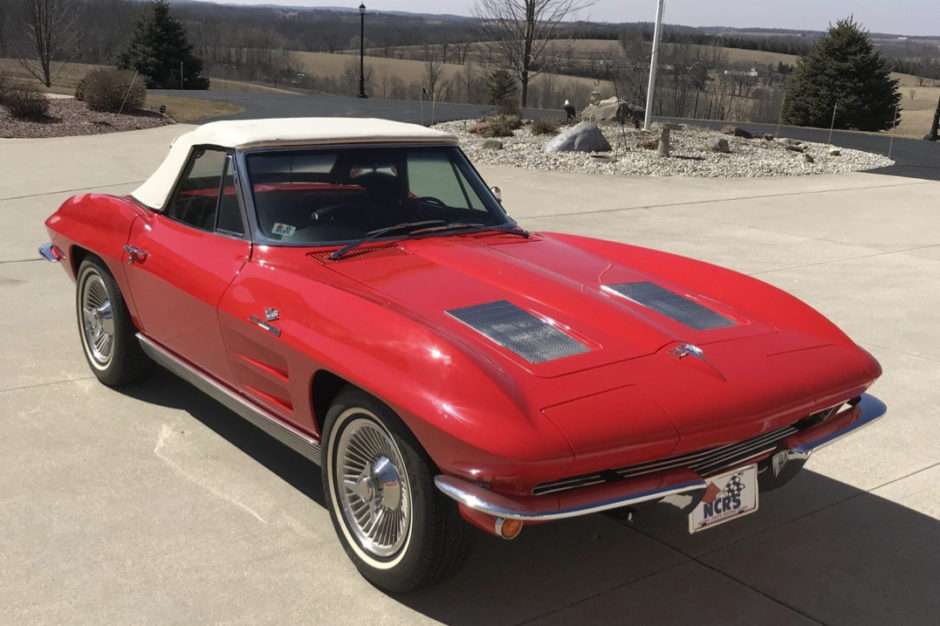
(688, 349)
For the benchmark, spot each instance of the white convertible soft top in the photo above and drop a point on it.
(291, 131)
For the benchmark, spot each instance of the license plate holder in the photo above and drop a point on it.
(728, 497)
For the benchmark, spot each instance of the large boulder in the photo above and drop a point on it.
(721, 146)
(613, 110)
(583, 137)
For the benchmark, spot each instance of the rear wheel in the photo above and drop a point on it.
(106, 329)
(398, 529)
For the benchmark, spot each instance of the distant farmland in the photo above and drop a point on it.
(918, 102)
(550, 90)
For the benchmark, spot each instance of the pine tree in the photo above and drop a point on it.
(159, 50)
(501, 90)
(843, 70)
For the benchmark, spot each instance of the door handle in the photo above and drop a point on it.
(134, 253)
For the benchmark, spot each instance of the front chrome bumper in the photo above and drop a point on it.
(630, 492)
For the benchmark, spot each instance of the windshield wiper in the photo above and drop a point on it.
(444, 226)
(513, 230)
(378, 232)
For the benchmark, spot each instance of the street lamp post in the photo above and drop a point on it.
(362, 51)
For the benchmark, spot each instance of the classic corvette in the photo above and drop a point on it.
(354, 289)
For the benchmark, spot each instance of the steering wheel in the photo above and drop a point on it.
(327, 212)
(431, 200)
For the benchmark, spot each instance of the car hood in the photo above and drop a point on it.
(669, 353)
(481, 288)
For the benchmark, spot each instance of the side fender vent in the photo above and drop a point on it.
(671, 304)
(534, 339)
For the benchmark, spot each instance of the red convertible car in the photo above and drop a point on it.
(354, 289)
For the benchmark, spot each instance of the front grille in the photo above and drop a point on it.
(704, 462)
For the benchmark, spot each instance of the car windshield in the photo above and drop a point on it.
(322, 196)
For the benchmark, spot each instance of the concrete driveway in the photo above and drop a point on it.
(156, 505)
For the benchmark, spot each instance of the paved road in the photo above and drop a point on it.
(261, 105)
(913, 157)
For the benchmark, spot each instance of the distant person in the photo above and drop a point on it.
(569, 111)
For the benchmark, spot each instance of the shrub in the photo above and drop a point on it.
(496, 126)
(81, 86)
(503, 125)
(25, 102)
(545, 126)
(479, 128)
(112, 91)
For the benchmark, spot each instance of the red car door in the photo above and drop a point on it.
(182, 260)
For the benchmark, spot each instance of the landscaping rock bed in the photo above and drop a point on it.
(693, 152)
(68, 117)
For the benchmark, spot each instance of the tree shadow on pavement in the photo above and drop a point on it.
(165, 389)
(817, 551)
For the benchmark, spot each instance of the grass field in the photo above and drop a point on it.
(65, 76)
(413, 71)
(187, 110)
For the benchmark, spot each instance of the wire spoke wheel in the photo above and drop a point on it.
(106, 328)
(373, 492)
(397, 528)
(97, 319)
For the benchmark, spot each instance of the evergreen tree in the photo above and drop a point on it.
(843, 70)
(159, 50)
(501, 91)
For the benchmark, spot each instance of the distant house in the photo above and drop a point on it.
(751, 74)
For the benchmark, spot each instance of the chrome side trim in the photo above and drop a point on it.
(257, 321)
(45, 250)
(245, 408)
(543, 509)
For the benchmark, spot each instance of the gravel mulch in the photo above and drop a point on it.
(68, 117)
(692, 154)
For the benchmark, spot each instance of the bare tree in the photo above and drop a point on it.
(4, 15)
(49, 26)
(526, 33)
(432, 71)
(462, 49)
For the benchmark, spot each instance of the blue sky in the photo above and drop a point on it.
(908, 17)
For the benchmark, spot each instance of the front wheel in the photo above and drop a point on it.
(398, 529)
(105, 327)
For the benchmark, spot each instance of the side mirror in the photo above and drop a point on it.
(496, 192)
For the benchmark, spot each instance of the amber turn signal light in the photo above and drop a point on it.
(508, 528)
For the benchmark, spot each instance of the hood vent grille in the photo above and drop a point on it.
(670, 304)
(528, 336)
(377, 252)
